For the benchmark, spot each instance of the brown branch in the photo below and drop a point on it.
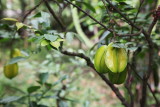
(147, 36)
(31, 10)
(128, 87)
(89, 16)
(128, 20)
(89, 63)
(131, 95)
(111, 30)
(138, 11)
(156, 16)
(157, 102)
(152, 25)
(54, 15)
(107, 9)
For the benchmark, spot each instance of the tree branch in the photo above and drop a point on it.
(147, 36)
(31, 10)
(138, 10)
(89, 63)
(152, 25)
(157, 102)
(89, 16)
(54, 15)
(128, 20)
(137, 13)
(111, 30)
(128, 87)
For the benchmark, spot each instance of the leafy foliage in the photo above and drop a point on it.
(48, 77)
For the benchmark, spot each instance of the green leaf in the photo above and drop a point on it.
(44, 42)
(51, 38)
(10, 19)
(60, 40)
(89, 6)
(43, 77)
(16, 59)
(132, 49)
(33, 89)
(36, 39)
(37, 15)
(119, 45)
(9, 99)
(19, 25)
(60, 80)
(55, 44)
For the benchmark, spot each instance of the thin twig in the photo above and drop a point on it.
(54, 15)
(147, 83)
(135, 18)
(147, 36)
(152, 25)
(31, 10)
(107, 9)
(128, 20)
(128, 87)
(111, 30)
(138, 11)
(90, 16)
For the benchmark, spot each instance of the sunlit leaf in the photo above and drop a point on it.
(55, 44)
(44, 43)
(19, 25)
(10, 19)
(60, 40)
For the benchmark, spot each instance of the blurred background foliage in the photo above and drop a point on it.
(48, 78)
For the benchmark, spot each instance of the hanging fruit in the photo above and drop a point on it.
(11, 70)
(116, 58)
(15, 53)
(99, 60)
(117, 78)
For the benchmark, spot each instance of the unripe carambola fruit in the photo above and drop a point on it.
(116, 58)
(117, 78)
(15, 53)
(99, 60)
(11, 70)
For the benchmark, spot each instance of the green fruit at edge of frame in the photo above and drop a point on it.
(117, 78)
(11, 70)
(15, 53)
(99, 60)
(116, 58)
